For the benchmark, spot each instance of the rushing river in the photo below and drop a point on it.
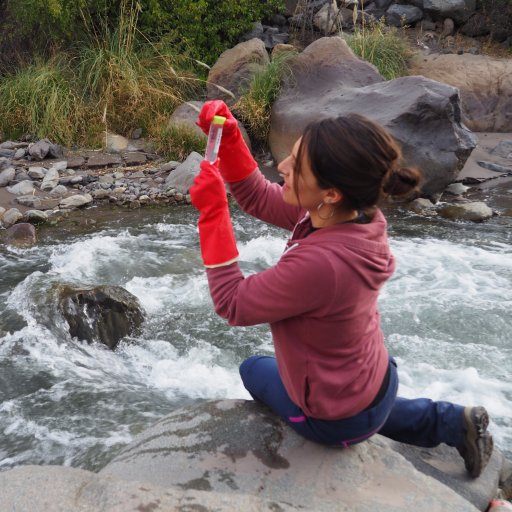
(447, 315)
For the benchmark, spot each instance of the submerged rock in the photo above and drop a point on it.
(103, 313)
(475, 211)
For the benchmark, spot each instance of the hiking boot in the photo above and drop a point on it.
(477, 446)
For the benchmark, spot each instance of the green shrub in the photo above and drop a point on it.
(254, 107)
(204, 27)
(382, 46)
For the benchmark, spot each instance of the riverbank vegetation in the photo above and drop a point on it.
(72, 70)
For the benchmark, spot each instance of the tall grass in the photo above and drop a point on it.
(41, 99)
(255, 105)
(117, 80)
(382, 46)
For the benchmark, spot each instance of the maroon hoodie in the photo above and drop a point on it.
(320, 300)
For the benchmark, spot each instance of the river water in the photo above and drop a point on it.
(447, 316)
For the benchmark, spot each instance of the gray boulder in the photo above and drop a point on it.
(185, 116)
(35, 216)
(22, 188)
(51, 179)
(234, 70)
(399, 15)
(76, 201)
(183, 176)
(459, 10)
(65, 489)
(423, 115)
(486, 106)
(240, 447)
(36, 173)
(474, 211)
(103, 313)
(21, 234)
(40, 149)
(6, 176)
(11, 216)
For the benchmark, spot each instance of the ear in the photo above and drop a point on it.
(333, 196)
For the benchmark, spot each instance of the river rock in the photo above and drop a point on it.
(11, 216)
(423, 115)
(185, 116)
(20, 234)
(37, 173)
(65, 489)
(116, 143)
(40, 149)
(51, 179)
(4, 163)
(475, 211)
(485, 86)
(503, 149)
(456, 189)
(103, 160)
(6, 176)
(20, 153)
(234, 70)
(103, 313)
(58, 191)
(422, 206)
(76, 201)
(240, 447)
(22, 188)
(183, 176)
(37, 202)
(35, 216)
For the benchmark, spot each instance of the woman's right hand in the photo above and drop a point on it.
(235, 159)
(214, 108)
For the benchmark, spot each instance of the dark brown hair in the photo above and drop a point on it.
(358, 157)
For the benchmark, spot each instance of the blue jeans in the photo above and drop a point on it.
(420, 422)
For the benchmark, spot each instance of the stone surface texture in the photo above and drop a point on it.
(422, 114)
(239, 447)
(485, 86)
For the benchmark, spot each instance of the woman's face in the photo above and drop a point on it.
(310, 195)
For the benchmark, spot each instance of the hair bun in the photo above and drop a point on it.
(401, 181)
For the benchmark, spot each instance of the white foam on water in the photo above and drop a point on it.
(195, 374)
(159, 294)
(265, 250)
(436, 270)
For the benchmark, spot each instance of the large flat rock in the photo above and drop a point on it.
(239, 447)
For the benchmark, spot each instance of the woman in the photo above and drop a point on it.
(332, 380)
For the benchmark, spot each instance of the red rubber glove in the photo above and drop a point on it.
(235, 159)
(216, 236)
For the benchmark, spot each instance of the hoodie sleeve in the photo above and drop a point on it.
(299, 283)
(262, 199)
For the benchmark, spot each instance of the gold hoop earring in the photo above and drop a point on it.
(319, 207)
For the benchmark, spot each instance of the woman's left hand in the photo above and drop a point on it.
(216, 236)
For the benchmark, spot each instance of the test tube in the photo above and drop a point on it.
(214, 136)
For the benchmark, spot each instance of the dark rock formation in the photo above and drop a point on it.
(103, 313)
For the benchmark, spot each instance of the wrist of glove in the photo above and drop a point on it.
(235, 159)
(216, 236)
